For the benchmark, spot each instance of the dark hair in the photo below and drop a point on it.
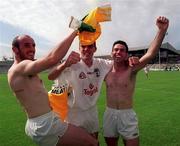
(122, 43)
(93, 44)
(15, 42)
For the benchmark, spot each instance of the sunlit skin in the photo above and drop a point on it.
(30, 91)
(118, 80)
(121, 80)
(26, 49)
(119, 53)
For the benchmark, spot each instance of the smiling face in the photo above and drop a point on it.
(25, 47)
(119, 53)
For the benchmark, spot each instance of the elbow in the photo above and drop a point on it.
(51, 77)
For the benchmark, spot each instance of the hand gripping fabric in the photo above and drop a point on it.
(99, 14)
(79, 25)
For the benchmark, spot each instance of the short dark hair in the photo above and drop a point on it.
(122, 43)
(15, 42)
(93, 44)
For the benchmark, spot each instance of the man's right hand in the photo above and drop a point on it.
(133, 61)
(80, 25)
(73, 58)
(162, 23)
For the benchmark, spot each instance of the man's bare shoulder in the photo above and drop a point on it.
(18, 67)
(16, 78)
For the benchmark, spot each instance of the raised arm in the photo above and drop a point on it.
(162, 24)
(28, 67)
(73, 58)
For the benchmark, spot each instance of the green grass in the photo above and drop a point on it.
(156, 102)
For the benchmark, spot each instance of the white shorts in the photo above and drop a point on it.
(46, 129)
(120, 122)
(86, 119)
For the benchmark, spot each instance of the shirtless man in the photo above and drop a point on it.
(119, 117)
(43, 125)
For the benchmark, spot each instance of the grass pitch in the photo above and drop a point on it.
(156, 102)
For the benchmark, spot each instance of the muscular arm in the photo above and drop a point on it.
(162, 24)
(56, 71)
(73, 58)
(28, 67)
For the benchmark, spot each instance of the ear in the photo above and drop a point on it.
(95, 46)
(94, 49)
(127, 56)
(15, 50)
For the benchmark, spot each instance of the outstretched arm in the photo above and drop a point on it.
(73, 58)
(162, 24)
(28, 67)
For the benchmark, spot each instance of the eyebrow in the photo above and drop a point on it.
(27, 43)
(87, 46)
(120, 48)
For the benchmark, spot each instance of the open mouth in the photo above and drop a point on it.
(31, 54)
(118, 56)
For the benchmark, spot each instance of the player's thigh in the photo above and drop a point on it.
(111, 141)
(76, 136)
(132, 142)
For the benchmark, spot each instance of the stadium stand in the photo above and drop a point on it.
(167, 59)
(5, 65)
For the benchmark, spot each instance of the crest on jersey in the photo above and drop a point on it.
(82, 75)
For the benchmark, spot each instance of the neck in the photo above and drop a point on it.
(17, 59)
(88, 62)
(119, 66)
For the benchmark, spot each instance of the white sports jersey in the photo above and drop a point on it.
(86, 81)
